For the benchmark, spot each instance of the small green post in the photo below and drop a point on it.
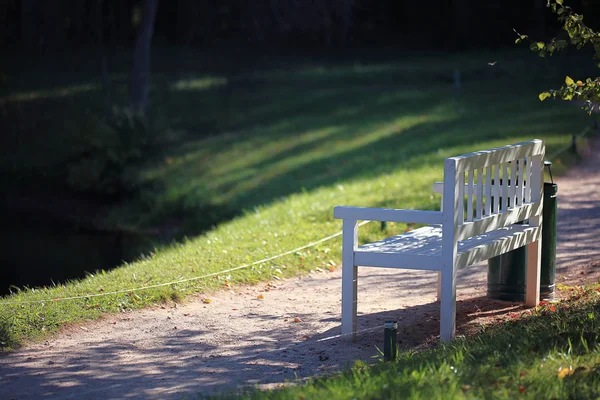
(390, 347)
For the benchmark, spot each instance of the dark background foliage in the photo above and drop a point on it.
(61, 25)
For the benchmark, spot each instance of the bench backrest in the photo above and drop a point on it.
(486, 190)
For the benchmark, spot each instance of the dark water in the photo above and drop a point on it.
(38, 253)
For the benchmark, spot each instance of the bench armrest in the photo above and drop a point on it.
(388, 214)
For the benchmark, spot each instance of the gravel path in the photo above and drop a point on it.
(289, 334)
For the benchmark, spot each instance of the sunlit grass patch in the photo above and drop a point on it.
(198, 83)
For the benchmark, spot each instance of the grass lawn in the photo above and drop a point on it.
(553, 353)
(255, 157)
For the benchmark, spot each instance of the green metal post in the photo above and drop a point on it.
(548, 270)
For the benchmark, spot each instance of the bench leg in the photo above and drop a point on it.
(349, 278)
(349, 300)
(534, 264)
(439, 286)
(448, 304)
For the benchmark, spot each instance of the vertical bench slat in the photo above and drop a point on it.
(488, 191)
(461, 197)
(496, 209)
(470, 196)
(479, 207)
(504, 187)
(513, 185)
(527, 180)
(521, 191)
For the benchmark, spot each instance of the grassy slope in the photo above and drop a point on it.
(552, 354)
(289, 143)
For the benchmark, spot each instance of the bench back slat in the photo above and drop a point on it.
(470, 190)
(479, 206)
(505, 180)
(496, 202)
(498, 155)
(513, 187)
(510, 193)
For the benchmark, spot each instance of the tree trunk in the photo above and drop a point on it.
(140, 73)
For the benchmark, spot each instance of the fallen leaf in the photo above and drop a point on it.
(206, 301)
(564, 372)
(297, 319)
(521, 388)
(260, 297)
(552, 308)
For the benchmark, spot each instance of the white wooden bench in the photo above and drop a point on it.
(473, 225)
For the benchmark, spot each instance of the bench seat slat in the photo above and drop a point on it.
(421, 248)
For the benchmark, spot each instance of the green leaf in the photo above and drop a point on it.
(540, 45)
(561, 43)
(569, 81)
(544, 95)
(559, 2)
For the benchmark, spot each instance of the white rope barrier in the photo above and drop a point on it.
(86, 296)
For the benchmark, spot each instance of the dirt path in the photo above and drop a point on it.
(290, 334)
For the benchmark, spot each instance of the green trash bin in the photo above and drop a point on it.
(506, 275)
(548, 270)
(507, 272)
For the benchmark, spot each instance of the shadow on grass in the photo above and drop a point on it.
(312, 140)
